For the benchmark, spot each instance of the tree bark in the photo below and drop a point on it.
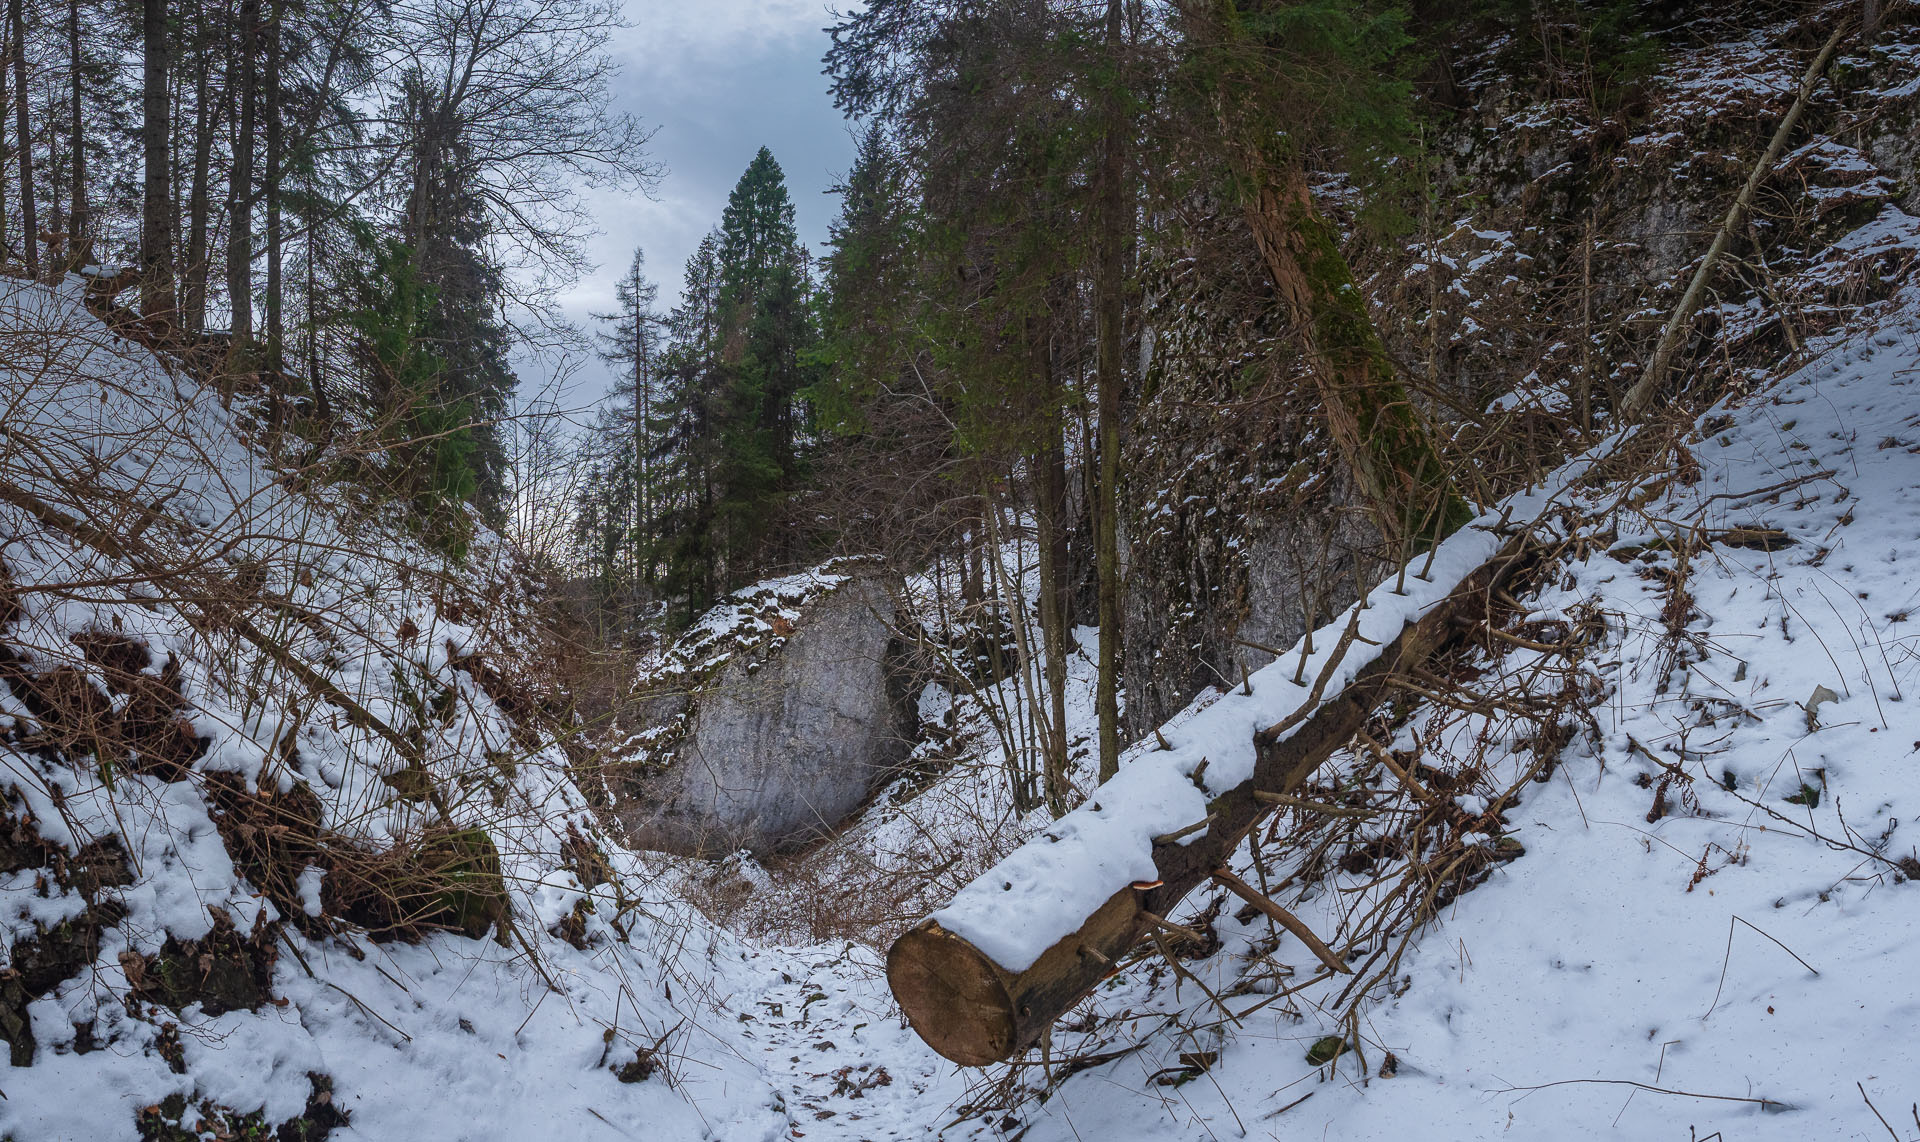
(1115, 223)
(79, 245)
(156, 131)
(276, 145)
(1640, 397)
(240, 183)
(642, 436)
(315, 374)
(975, 1012)
(1374, 422)
(193, 302)
(6, 246)
(23, 130)
(1050, 493)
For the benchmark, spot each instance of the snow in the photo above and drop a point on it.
(451, 1038)
(1679, 954)
(1735, 966)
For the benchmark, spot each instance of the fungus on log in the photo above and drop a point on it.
(975, 1011)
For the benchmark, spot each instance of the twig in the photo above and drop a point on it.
(1293, 802)
(1640, 397)
(1770, 489)
(1275, 732)
(1289, 1106)
(1177, 929)
(1728, 958)
(368, 1010)
(1180, 972)
(1876, 1112)
(1282, 917)
(1169, 838)
(603, 1118)
(1406, 779)
(1262, 647)
(1769, 1103)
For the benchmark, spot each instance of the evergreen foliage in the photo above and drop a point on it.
(627, 485)
(701, 447)
(259, 161)
(429, 438)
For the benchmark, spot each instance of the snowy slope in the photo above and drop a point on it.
(1693, 941)
(1678, 953)
(452, 1035)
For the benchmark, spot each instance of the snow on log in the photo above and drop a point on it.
(985, 977)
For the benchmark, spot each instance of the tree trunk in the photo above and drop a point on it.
(1379, 432)
(1673, 336)
(240, 184)
(972, 543)
(1115, 223)
(156, 131)
(642, 442)
(1050, 494)
(194, 292)
(79, 246)
(23, 130)
(276, 135)
(975, 1012)
(6, 247)
(315, 380)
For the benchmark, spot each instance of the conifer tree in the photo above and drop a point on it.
(689, 445)
(1270, 81)
(742, 340)
(620, 508)
(990, 105)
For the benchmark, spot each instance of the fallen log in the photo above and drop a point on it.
(968, 978)
(1640, 397)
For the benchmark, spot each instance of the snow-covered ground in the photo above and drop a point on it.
(1709, 932)
(450, 1037)
(1737, 962)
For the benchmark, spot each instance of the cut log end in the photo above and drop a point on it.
(953, 996)
(977, 1012)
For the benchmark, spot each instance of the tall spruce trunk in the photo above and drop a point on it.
(276, 135)
(194, 274)
(156, 199)
(1056, 597)
(642, 412)
(6, 247)
(240, 184)
(1115, 223)
(23, 131)
(315, 381)
(79, 247)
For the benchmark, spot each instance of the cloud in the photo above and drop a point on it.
(678, 40)
(718, 79)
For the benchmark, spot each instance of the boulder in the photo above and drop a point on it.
(772, 719)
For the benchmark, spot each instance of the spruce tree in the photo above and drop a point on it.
(619, 510)
(743, 338)
(689, 444)
(429, 436)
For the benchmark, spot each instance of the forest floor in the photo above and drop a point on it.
(1711, 930)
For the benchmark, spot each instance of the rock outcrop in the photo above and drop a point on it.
(771, 720)
(1523, 306)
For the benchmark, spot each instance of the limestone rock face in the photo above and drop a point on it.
(772, 720)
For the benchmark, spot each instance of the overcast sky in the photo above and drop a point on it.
(719, 79)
